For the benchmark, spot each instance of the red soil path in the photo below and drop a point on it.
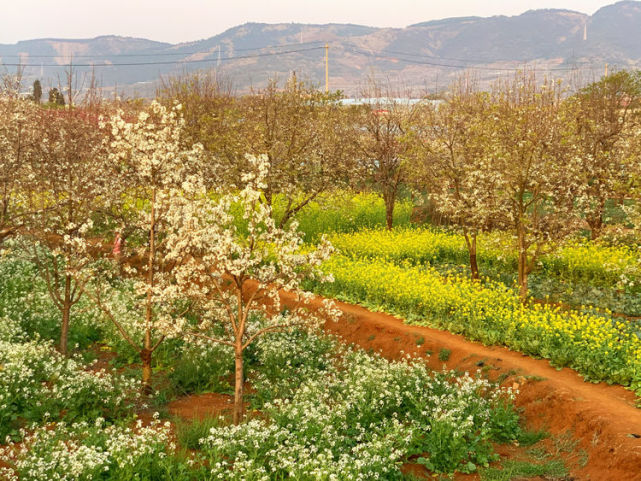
(602, 418)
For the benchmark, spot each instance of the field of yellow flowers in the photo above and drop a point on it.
(597, 345)
(580, 262)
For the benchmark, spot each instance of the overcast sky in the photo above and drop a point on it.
(184, 20)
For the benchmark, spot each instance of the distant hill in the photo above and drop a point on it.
(425, 56)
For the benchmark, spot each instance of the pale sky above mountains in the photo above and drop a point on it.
(185, 20)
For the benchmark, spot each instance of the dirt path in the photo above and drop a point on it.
(603, 419)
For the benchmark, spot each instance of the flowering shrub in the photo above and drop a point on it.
(356, 416)
(599, 347)
(83, 451)
(38, 383)
(285, 359)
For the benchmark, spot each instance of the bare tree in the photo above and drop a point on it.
(11, 84)
(303, 132)
(382, 130)
(212, 116)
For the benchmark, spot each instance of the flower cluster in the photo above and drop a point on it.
(354, 416)
(83, 451)
(36, 382)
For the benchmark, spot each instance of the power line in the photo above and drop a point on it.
(168, 62)
(455, 59)
(436, 64)
(117, 55)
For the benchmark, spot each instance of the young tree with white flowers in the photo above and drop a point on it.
(17, 135)
(68, 162)
(232, 280)
(153, 171)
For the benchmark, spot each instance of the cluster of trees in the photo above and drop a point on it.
(525, 157)
(69, 178)
(530, 159)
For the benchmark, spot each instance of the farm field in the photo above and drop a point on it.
(598, 345)
(279, 287)
(578, 273)
(327, 399)
(108, 417)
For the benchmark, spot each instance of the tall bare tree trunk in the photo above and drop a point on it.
(146, 352)
(390, 200)
(66, 315)
(470, 240)
(239, 381)
(523, 265)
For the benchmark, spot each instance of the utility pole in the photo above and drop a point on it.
(70, 81)
(326, 68)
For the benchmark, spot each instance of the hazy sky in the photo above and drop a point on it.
(184, 20)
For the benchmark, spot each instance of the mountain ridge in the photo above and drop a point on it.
(421, 55)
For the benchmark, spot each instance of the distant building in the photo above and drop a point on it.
(382, 101)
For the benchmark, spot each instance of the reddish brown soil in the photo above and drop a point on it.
(602, 419)
(103, 358)
(202, 406)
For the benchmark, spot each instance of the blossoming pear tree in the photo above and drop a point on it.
(455, 163)
(232, 275)
(154, 171)
(68, 162)
(16, 138)
(538, 168)
(606, 119)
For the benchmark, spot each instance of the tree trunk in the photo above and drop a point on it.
(238, 390)
(523, 270)
(596, 225)
(145, 359)
(147, 351)
(66, 315)
(389, 199)
(5, 233)
(470, 240)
